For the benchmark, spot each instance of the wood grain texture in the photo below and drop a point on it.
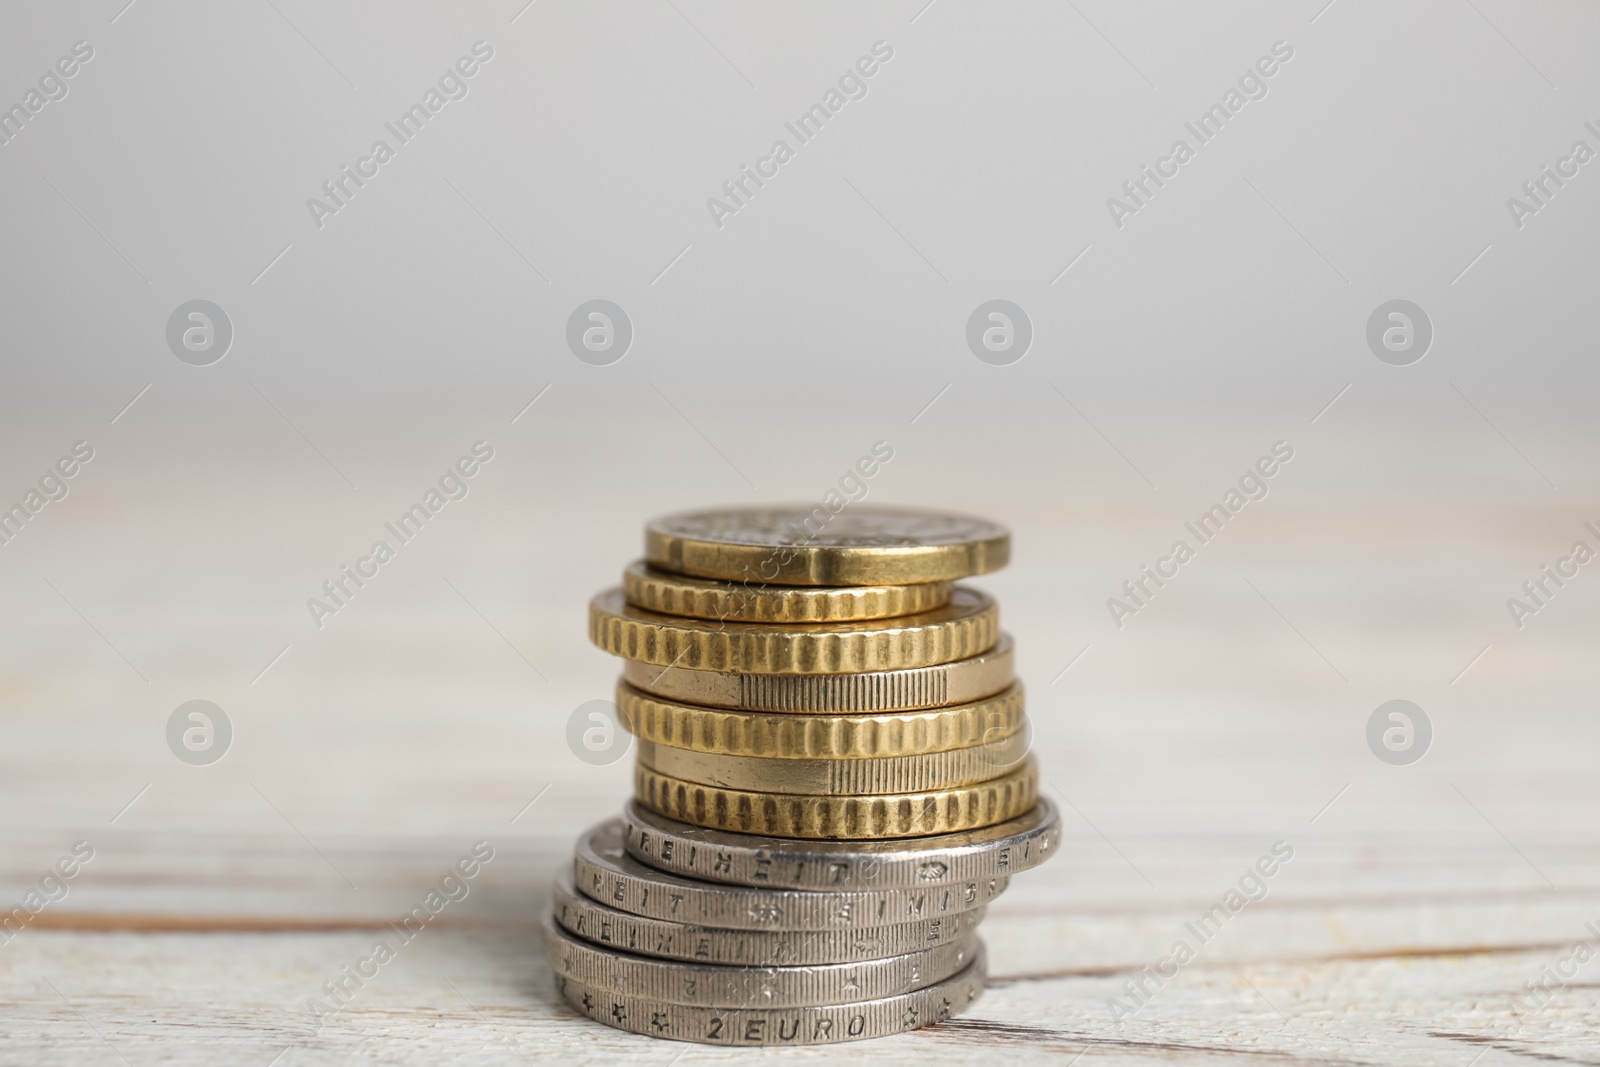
(1401, 932)
(1418, 902)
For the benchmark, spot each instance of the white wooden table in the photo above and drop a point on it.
(1418, 902)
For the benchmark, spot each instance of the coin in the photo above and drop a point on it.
(958, 682)
(603, 925)
(603, 870)
(850, 818)
(706, 598)
(745, 859)
(781, 1026)
(788, 736)
(966, 626)
(714, 985)
(839, 777)
(863, 544)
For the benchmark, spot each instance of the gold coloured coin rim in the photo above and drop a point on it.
(862, 646)
(811, 564)
(665, 593)
(833, 777)
(706, 688)
(708, 729)
(823, 817)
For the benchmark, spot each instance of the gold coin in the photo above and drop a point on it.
(839, 777)
(851, 818)
(861, 544)
(875, 692)
(966, 626)
(707, 598)
(831, 737)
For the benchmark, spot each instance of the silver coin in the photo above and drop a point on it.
(603, 870)
(601, 925)
(960, 682)
(750, 860)
(781, 1026)
(711, 985)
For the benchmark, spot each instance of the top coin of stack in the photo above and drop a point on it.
(800, 673)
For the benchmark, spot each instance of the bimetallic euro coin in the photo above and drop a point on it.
(603, 870)
(776, 1027)
(717, 986)
(603, 925)
(747, 859)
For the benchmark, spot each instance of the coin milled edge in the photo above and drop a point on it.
(847, 818)
(747, 859)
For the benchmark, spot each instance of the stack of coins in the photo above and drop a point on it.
(833, 780)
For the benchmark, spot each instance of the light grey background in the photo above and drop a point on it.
(768, 354)
(826, 314)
